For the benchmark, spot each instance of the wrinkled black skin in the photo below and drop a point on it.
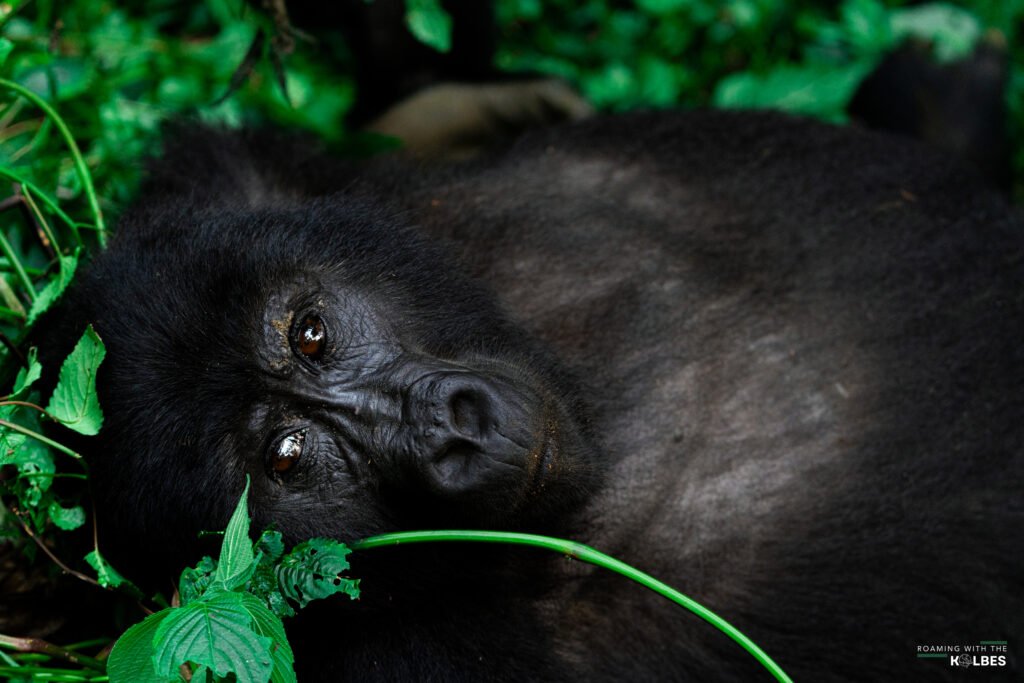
(802, 363)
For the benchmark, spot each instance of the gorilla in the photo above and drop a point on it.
(775, 363)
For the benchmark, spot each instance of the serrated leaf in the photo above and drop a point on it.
(431, 25)
(264, 584)
(277, 603)
(27, 375)
(131, 660)
(54, 288)
(34, 462)
(195, 580)
(267, 624)
(313, 570)
(66, 518)
(217, 633)
(271, 545)
(74, 402)
(235, 565)
(105, 574)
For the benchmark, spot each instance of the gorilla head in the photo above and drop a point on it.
(334, 356)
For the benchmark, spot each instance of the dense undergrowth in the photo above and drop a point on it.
(84, 87)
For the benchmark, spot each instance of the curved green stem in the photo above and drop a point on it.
(76, 155)
(19, 269)
(586, 554)
(44, 198)
(39, 437)
(44, 225)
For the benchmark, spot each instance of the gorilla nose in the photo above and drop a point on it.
(468, 407)
(471, 432)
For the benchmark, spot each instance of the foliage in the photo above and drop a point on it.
(230, 622)
(804, 56)
(24, 449)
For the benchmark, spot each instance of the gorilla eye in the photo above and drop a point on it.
(287, 452)
(311, 337)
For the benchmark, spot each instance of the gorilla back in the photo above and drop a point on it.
(774, 363)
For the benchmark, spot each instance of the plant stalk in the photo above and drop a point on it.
(586, 554)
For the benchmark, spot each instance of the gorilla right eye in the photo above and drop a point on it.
(310, 337)
(287, 452)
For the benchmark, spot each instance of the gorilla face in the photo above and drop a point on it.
(353, 409)
(332, 355)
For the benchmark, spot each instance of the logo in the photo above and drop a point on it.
(966, 655)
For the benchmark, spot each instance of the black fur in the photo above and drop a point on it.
(802, 359)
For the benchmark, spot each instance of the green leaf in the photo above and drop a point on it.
(819, 90)
(33, 459)
(658, 7)
(53, 290)
(428, 21)
(271, 545)
(131, 660)
(74, 401)
(953, 31)
(235, 565)
(67, 518)
(28, 375)
(105, 574)
(5, 49)
(267, 624)
(866, 24)
(264, 584)
(313, 570)
(218, 633)
(195, 580)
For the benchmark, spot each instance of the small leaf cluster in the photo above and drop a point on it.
(25, 454)
(229, 621)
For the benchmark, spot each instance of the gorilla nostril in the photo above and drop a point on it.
(468, 411)
(455, 459)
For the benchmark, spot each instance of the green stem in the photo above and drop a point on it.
(11, 299)
(11, 314)
(84, 644)
(43, 647)
(44, 225)
(76, 155)
(51, 674)
(53, 475)
(39, 437)
(19, 270)
(44, 198)
(586, 554)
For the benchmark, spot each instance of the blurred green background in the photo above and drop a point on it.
(115, 69)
